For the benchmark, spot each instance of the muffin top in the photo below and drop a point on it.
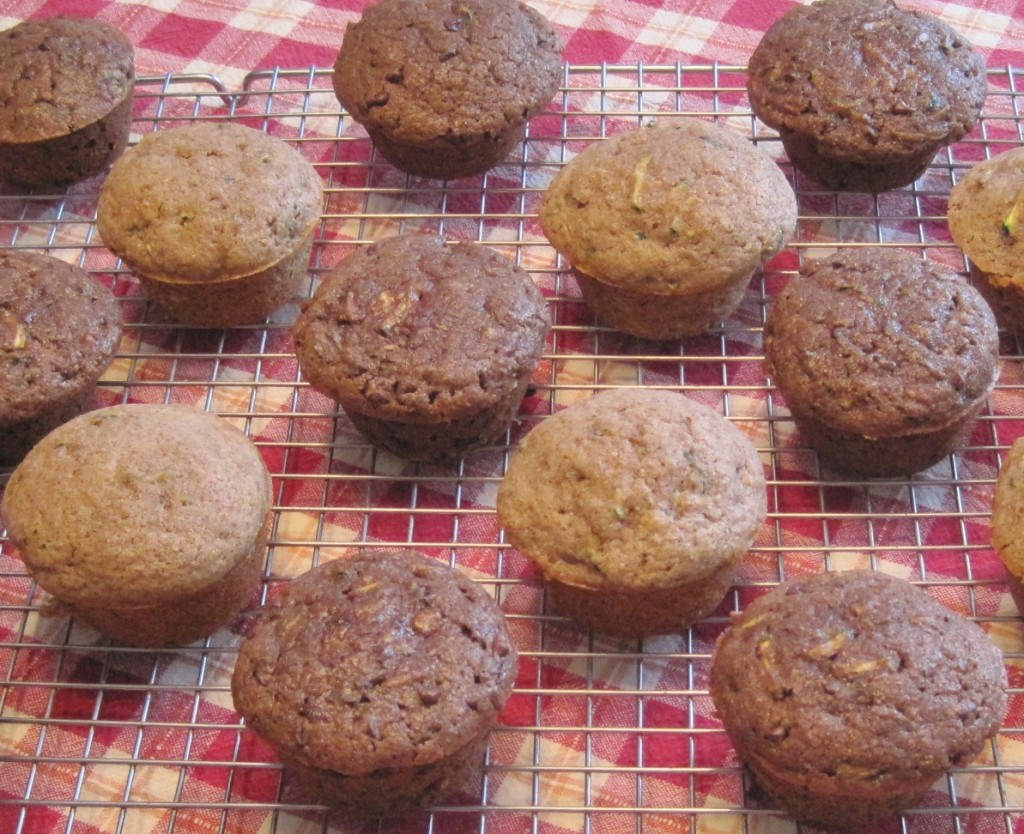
(857, 676)
(59, 329)
(208, 201)
(675, 207)
(986, 214)
(881, 343)
(383, 660)
(866, 79)
(60, 74)
(427, 68)
(135, 501)
(1008, 510)
(633, 488)
(411, 328)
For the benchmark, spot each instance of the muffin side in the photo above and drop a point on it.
(884, 359)
(665, 224)
(428, 347)
(986, 220)
(66, 95)
(377, 680)
(1008, 519)
(215, 218)
(637, 505)
(147, 521)
(864, 93)
(849, 694)
(59, 331)
(445, 90)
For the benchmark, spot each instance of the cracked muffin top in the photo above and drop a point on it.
(412, 328)
(427, 68)
(383, 660)
(865, 79)
(59, 330)
(881, 343)
(854, 684)
(60, 74)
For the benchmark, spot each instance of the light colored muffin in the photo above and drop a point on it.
(666, 224)
(986, 220)
(637, 505)
(215, 218)
(377, 680)
(1007, 527)
(884, 359)
(864, 93)
(148, 522)
(66, 99)
(849, 694)
(427, 346)
(59, 330)
(445, 89)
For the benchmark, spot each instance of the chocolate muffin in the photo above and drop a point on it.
(884, 359)
(215, 218)
(1008, 519)
(65, 99)
(848, 694)
(148, 522)
(445, 89)
(637, 505)
(377, 680)
(986, 220)
(59, 330)
(427, 347)
(666, 224)
(864, 93)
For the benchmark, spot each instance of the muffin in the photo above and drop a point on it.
(1007, 518)
(665, 224)
(637, 505)
(427, 347)
(65, 100)
(148, 522)
(216, 219)
(986, 220)
(848, 695)
(445, 89)
(377, 680)
(864, 93)
(59, 330)
(884, 359)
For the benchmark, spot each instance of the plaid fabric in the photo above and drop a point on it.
(98, 740)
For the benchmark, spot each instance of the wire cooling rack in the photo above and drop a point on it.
(602, 735)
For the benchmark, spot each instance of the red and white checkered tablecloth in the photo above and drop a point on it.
(602, 735)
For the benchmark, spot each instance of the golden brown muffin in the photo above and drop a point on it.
(215, 218)
(864, 93)
(59, 330)
(884, 359)
(637, 505)
(148, 522)
(1007, 526)
(377, 680)
(665, 224)
(445, 89)
(427, 346)
(986, 220)
(849, 694)
(66, 99)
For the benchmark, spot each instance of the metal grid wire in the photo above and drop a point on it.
(601, 735)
